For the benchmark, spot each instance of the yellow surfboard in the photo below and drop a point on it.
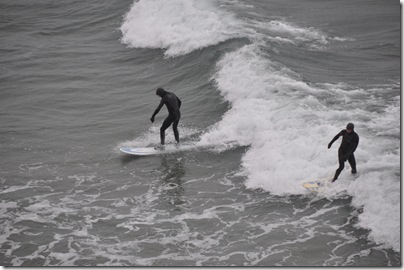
(313, 186)
(318, 185)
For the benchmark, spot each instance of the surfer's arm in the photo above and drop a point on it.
(334, 139)
(356, 143)
(157, 110)
(179, 102)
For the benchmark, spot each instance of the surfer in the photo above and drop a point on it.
(173, 104)
(346, 151)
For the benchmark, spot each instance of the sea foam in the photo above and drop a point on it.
(271, 111)
(179, 26)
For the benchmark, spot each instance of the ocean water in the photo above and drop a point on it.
(265, 86)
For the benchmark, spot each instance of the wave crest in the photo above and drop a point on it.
(179, 26)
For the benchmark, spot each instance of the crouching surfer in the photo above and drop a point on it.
(173, 104)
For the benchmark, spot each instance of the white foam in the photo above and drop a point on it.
(5, 206)
(282, 31)
(180, 26)
(296, 32)
(263, 116)
(151, 137)
(288, 124)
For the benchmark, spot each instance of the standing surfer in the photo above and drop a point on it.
(173, 104)
(346, 151)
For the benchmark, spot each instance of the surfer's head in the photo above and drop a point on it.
(160, 92)
(349, 127)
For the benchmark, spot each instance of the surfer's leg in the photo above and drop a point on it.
(341, 166)
(175, 129)
(338, 171)
(352, 162)
(163, 128)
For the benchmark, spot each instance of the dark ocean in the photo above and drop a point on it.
(265, 85)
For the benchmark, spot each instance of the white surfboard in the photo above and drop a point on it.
(148, 151)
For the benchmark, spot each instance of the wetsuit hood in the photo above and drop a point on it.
(160, 92)
(350, 126)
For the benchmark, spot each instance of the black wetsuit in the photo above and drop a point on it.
(173, 104)
(346, 150)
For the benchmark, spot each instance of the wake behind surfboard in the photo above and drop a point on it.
(148, 151)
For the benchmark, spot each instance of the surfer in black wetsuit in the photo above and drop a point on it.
(346, 151)
(173, 104)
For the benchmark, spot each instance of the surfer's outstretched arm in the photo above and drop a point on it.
(334, 139)
(157, 110)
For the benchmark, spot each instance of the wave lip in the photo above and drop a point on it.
(179, 26)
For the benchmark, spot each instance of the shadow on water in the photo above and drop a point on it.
(173, 171)
(126, 158)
